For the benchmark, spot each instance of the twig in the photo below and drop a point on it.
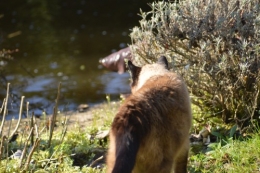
(44, 127)
(32, 126)
(2, 146)
(64, 128)
(96, 161)
(64, 131)
(2, 107)
(27, 109)
(36, 143)
(25, 148)
(53, 118)
(5, 110)
(7, 148)
(20, 117)
(2, 137)
(36, 128)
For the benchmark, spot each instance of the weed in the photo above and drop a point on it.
(46, 148)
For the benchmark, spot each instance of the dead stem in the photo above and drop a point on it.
(5, 109)
(32, 126)
(2, 107)
(36, 143)
(25, 147)
(27, 109)
(53, 118)
(19, 120)
(7, 147)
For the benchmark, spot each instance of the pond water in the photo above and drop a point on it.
(62, 41)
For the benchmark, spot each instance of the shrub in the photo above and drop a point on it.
(214, 45)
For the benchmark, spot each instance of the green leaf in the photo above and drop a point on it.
(232, 131)
(217, 134)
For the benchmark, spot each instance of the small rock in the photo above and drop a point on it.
(102, 134)
(83, 107)
(17, 154)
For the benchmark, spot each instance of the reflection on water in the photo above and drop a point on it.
(62, 41)
(41, 91)
(115, 83)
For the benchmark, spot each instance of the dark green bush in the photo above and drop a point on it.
(214, 45)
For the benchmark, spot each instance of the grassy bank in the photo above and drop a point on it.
(235, 157)
(75, 147)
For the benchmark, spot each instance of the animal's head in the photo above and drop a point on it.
(141, 74)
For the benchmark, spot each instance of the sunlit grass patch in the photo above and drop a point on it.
(237, 156)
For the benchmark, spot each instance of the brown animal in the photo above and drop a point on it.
(150, 132)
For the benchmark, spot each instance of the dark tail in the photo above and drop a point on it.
(129, 127)
(127, 145)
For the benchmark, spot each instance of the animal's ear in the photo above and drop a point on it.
(134, 71)
(163, 61)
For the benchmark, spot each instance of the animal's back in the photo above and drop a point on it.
(156, 120)
(168, 104)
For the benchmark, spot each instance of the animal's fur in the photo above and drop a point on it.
(150, 132)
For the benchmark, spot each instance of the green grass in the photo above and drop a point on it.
(235, 157)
